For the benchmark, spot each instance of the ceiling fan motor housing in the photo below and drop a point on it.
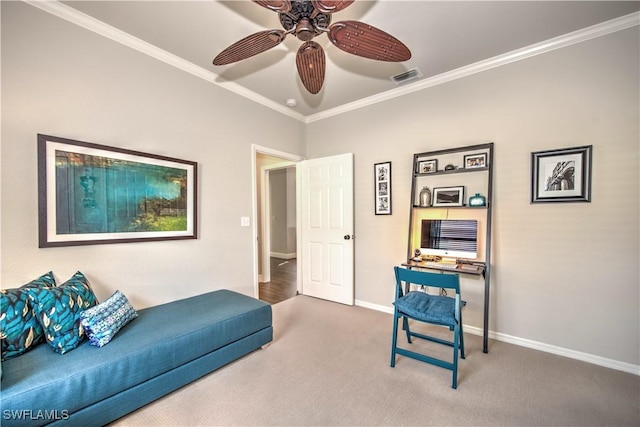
(305, 19)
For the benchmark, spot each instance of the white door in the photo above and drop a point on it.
(326, 227)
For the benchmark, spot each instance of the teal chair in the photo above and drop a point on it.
(434, 309)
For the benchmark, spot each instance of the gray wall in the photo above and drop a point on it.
(564, 275)
(283, 212)
(278, 203)
(62, 80)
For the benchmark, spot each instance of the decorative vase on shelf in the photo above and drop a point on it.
(425, 197)
(477, 200)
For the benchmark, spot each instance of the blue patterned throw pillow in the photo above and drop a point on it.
(102, 322)
(58, 311)
(20, 331)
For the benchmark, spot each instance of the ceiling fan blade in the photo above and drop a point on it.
(311, 66)
(275, 5)
(249, 46)
(331, 6)
(364, 40)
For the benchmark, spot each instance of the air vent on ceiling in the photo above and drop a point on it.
(406, 76)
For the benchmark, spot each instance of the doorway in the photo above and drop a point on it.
(275, 218)
(279, 243)
(327, 257)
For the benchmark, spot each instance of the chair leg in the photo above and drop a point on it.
(456, 343)
(394, 340)
(405, 326)
(461, 337)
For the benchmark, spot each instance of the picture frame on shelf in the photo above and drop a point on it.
(382, 188)
(90, 194)
(427, 166)
(448, 196)
(561, 175)
(478, 160)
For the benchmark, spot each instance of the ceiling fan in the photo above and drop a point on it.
(307, 19)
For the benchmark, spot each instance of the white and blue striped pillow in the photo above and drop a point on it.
(102, 322)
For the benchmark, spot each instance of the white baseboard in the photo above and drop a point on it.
(376, 307)
(535, 345)
(283, 256)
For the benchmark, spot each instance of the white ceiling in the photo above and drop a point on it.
(443, 36)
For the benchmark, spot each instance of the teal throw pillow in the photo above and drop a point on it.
(102, 322)
(58, 311)
(20, 331)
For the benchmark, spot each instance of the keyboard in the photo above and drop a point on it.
(441, 265)
(469, 267)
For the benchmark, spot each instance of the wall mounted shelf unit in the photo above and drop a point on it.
(452, 177)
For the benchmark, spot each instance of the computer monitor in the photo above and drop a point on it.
(454, 238)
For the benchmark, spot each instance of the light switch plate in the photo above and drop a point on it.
(244, 221)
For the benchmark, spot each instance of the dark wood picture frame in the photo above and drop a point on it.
(382, 188)
(562, 175)
(91, 194)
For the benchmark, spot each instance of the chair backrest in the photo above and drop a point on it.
(419, 277)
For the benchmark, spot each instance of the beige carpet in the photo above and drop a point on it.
(329, 366)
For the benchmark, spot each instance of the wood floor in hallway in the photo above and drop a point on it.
(283, 281)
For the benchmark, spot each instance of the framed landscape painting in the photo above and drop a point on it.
(448, 196)
(94, 194)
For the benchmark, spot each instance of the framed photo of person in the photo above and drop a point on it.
(427, 166)
(473, 161)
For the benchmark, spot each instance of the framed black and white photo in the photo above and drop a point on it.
(427, 166)
(382, 189)
(478, 160)
(562, 175)
(448, 196)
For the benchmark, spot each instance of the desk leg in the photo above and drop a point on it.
(485, 332)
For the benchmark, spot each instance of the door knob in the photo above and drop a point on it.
(347, 237)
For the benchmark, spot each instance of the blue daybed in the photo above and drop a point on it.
(164, 348)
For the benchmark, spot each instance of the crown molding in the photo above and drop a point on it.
(72, 15)
(83, 20)
(579, 36)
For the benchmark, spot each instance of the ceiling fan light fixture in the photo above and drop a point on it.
(305, 30)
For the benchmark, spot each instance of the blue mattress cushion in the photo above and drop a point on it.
(429, 308)
(102, 322)
(58, 311)
(19, 327)
(160, 339)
